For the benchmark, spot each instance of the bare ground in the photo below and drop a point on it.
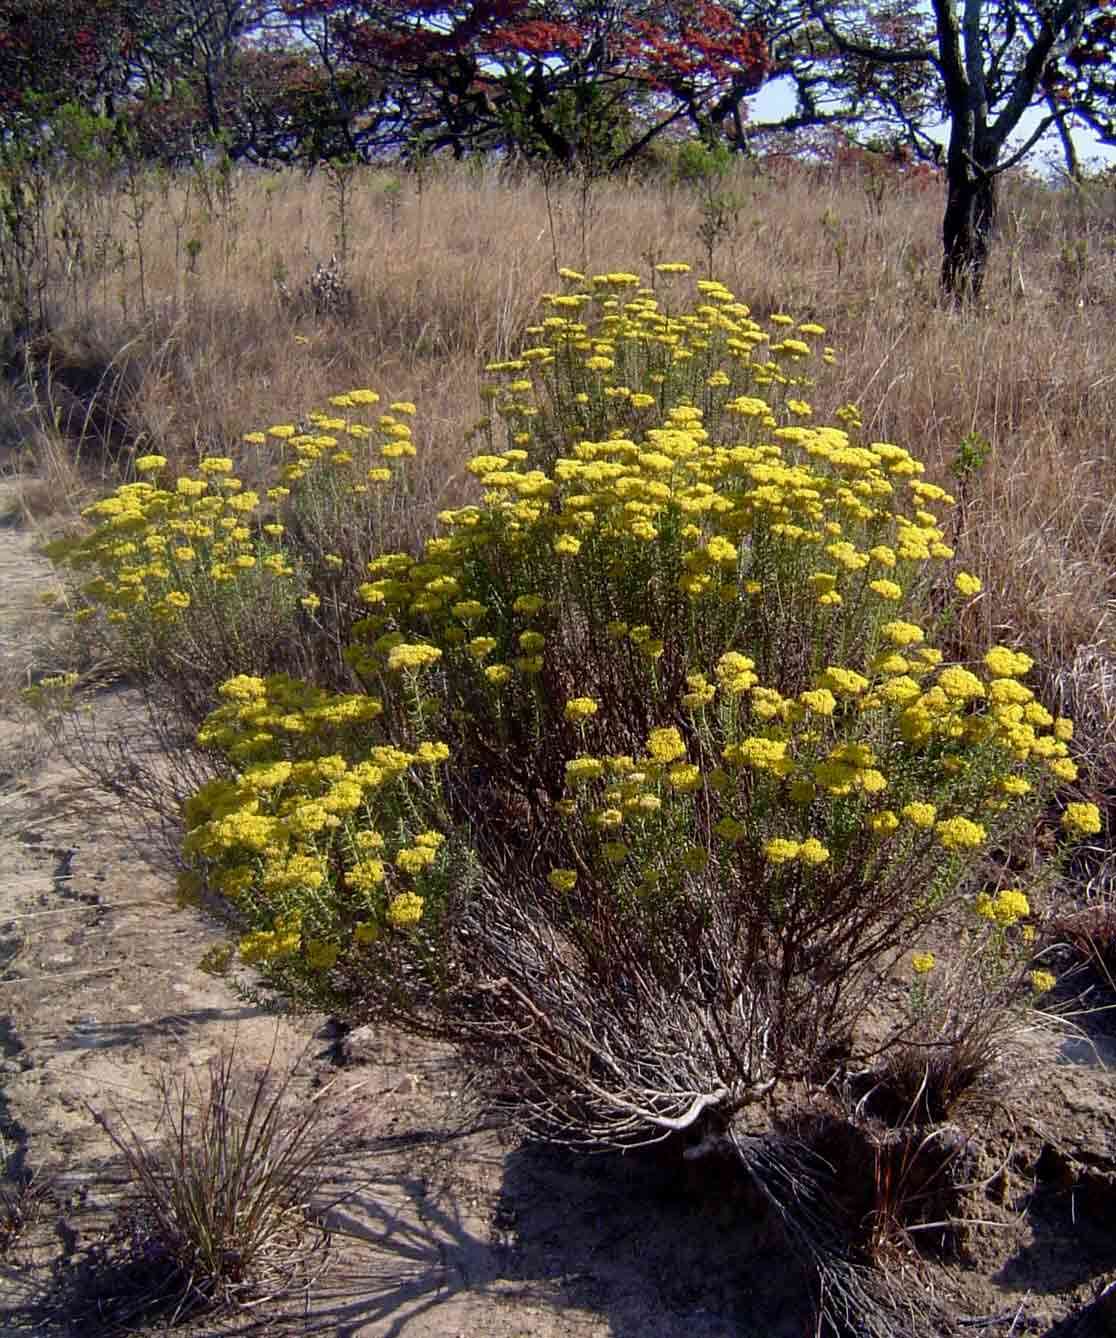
(451, 1225)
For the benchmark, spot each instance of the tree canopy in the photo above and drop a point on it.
(587, 83)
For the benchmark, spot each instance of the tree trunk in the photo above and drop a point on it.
(970, 215)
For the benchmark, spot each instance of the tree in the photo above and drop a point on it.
(231, 73)
(978, 65)
(54, 52)
(196, 43)
(525, 76)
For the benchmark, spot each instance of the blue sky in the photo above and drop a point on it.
(776, 100)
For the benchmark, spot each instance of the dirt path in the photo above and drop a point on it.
(99, 987)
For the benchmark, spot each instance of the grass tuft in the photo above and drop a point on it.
(225, 1208)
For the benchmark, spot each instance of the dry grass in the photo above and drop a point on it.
(225, 1203)
(444, 273)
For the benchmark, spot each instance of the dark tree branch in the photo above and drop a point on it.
(880, 55)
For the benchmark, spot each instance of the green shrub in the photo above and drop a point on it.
(182, 584)
(655, 771)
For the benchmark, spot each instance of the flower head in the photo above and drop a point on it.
(665, 745)
(412, 657)
(902, 633)
(1081, 820)
(405, 910)
(960, 833)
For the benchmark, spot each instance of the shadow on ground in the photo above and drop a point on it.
(632, 1240)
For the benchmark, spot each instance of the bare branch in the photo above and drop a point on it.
(880, 54)
(1054, 23)
(1005, 165)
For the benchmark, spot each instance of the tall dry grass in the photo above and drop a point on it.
(443, 272)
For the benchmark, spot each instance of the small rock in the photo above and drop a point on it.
(361, 1046)
(10, 1066)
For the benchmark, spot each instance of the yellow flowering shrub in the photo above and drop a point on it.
(181, 582)
(650, 732)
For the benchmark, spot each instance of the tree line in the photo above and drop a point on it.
(587, 84)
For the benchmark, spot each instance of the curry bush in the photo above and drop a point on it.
(182, 583)
(653, 770)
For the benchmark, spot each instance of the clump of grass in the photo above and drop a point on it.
(24, 1195)
(917, 1179)
(224, 1209)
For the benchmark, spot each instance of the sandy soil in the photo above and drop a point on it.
(452, 1226)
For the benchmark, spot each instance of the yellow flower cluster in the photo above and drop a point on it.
(283, 940)
(1081, 819)
(1006, 908)
(291, 834)
(159, 549)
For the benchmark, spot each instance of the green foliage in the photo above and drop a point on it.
(972, 455)
(583, 127)
(341, 176)
(698, 162)
(705, 167)
(30, 189)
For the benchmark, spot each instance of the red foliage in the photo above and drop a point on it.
(59, 50)
(699, 40)
(703, 43)
(535, 37)
(896, 169)
(457, 69)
